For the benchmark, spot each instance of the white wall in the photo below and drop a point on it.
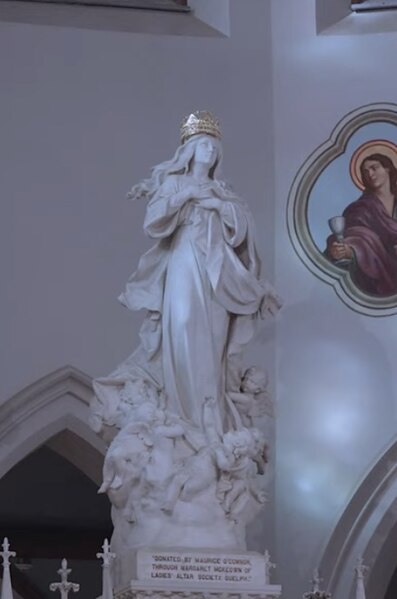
(337, 378)
(85, 115)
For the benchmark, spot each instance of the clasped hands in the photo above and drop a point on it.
(200, 194)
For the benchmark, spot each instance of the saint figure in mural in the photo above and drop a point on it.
(364, 239)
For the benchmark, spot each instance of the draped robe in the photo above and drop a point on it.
(200, 283)
(372, 233)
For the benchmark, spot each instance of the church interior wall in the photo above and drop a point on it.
(85, 115)
(336, 376)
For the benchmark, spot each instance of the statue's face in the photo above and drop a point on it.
(237, 442)
(206, 151)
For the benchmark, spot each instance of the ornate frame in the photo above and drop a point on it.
(298, 202)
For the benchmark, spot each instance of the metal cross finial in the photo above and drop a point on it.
(316, 581)
(360, 571)
(6, 553)
(107, 555)
(6, 588)
(269, 565)
(64, 587)
(316, 592)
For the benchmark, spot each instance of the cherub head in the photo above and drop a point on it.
(138, 391)
(254, 381)
(148, 413)
(240, 443)
(131, 392)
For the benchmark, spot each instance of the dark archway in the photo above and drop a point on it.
(50, 470)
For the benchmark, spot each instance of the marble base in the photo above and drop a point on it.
(161, 573)
(148, 590)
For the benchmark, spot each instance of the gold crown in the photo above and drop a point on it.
(199, 122)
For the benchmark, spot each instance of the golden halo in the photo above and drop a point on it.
(375, 146)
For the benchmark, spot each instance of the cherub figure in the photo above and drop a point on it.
(133, 395)
(162, 432)
(197, 473)
(253, 399)
(235, 455)
(117, 398)
(237, 481)
(122, 471)
(141, 455)
(130, 395)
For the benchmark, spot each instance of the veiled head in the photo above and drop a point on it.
(200, 148)
(181, 163)
(254, 380)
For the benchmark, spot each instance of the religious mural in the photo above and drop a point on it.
(342, 211)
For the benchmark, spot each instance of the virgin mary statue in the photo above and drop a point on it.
(200, 284)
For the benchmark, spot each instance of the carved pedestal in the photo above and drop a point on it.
(184, 574)
(167, 591)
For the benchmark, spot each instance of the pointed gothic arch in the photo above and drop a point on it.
(367, 528)
(53, 410)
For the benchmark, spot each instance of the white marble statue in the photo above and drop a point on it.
(201, 288)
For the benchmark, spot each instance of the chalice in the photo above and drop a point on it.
(337, 225)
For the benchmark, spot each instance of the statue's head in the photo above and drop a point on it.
(202, 148)
(200, 140)
(254, 381)
(239, 442)
(129, 392)
(146, 412)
